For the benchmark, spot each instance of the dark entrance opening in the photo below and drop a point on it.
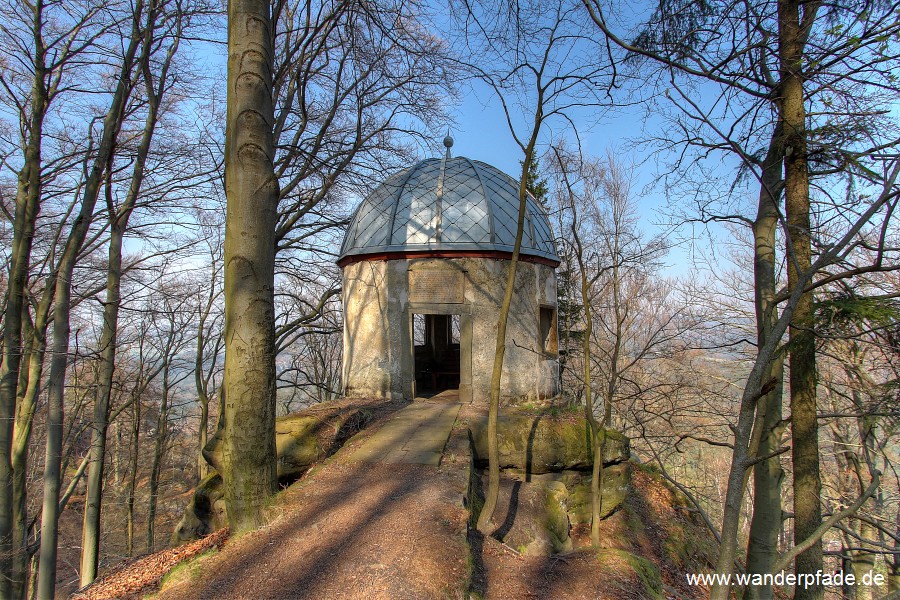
(436, 352)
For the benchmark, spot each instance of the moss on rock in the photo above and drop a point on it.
(641, 569)
(557, 519)
(205, 512)
(296, 443)
(615, 490)
(300, 441)
(544, 444)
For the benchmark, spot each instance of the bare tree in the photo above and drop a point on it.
(172, 326)
(161, 27)
(29, 88)
(209, 340)
(626, 324)
(545, 67)
(96, 166)
(768, 94)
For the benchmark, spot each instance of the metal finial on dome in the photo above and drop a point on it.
(448, 143)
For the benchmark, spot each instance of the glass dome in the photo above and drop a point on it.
(447, 205)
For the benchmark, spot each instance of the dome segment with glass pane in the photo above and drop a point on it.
(447, 205)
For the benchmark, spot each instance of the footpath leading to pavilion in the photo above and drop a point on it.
(417, 434)
(381, 519)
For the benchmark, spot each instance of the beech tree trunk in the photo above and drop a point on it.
(59, 351)
(134, 453)
(598, 440)
(803, 379)
(159, 449)
(28, 196)
(118, 226)
(765, 524)
(252, 192)
(863, 563)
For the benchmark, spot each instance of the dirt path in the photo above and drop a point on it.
(417, 434)
(352, 530)
(370, 523)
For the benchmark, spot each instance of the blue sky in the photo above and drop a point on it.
(482, 133)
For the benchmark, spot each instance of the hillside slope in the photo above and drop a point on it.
(352, 529)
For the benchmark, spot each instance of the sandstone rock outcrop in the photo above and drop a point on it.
(301, 440)
(537, 444)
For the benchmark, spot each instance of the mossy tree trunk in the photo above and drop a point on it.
(597, 432)
(28, 202)
(792, 28)
(251, 190)
(27, 400)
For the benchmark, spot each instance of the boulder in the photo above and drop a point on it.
(300, 441)
(532, 518)
(544, 444)
(205, 512)
(615, 488)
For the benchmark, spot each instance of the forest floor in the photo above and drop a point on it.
(353, 529)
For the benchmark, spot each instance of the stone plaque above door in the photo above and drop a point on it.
(437, 286)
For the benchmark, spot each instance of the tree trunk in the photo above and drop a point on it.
(893, 560)
(893, 578)
(252, 193)
(863, 563)
(202, 465)
(159, 449)
(803, 380)
(846, 567)
(55, 395)
(118, 226)
(134, 453)
(27, 206)
(741, 456)
(59, 360)
(613, 380)
(493, 491)
(28, 202)
(29, 387)
(765, 525)
(202, 377)
(597, 434)
(55, 407)
(90, 541)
